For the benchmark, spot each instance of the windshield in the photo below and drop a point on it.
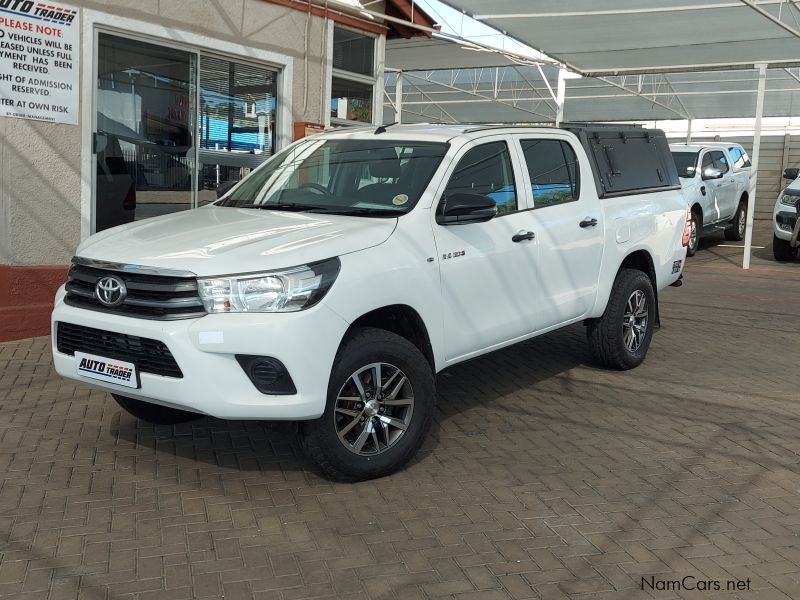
(686, 163)
(358, 177)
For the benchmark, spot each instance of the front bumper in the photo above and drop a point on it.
(783, 223)
(205, 349)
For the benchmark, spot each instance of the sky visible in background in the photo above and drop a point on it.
(455, 22)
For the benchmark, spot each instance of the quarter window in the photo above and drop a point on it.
(553, 170)
(486, 170)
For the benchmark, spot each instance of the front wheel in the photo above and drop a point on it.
(782, 249)
(154, 413)
(621, 337)
(381, 399)
(735, 233)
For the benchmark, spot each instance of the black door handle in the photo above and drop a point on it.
(522, 236)
(587, 222)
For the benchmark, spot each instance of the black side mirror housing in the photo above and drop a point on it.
(791, 173)
(461, 208)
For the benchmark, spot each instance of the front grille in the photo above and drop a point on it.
(149, 356)
(163, 297)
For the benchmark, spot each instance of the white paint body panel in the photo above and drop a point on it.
(496, 294)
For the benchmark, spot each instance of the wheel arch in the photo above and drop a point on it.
(402, 320)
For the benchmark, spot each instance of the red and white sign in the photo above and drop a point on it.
(39, 50)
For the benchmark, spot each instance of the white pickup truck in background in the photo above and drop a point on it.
(715, 177)
(333, 282)
(786, 218)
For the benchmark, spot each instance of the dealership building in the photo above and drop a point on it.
(117, 111)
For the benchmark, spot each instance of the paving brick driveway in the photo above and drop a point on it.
(545, 477)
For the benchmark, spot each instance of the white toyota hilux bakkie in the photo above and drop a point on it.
(333, 283)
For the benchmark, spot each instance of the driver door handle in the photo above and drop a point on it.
(588, 222)
(523, 235)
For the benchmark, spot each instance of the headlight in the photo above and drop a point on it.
(789, 200)
(282, 291)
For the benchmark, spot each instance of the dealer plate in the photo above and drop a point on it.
(108, 370)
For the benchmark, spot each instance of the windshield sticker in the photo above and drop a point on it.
(400, 199)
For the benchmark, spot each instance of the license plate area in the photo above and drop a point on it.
(107, 370)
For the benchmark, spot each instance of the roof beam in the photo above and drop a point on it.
(618, 11)
(478, 95)
(771, 17)
(635, 93)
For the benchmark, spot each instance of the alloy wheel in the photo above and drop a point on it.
(373, 409)
(693, 235)
(634, 321)
(742, 221)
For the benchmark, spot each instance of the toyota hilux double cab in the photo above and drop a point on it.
(330, 285)
(786, 218)
(716, 182)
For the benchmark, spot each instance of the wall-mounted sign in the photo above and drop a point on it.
(39, 48)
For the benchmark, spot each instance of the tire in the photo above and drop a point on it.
(735, 233)
(608, 335)
(694, 237)
(386, 448)
(155, 413)
(782, 250)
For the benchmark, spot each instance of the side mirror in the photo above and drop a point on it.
(791, 173)
(688, 173)
(711, 173)
(459, 209)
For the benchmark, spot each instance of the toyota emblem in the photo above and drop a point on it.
(110, 291)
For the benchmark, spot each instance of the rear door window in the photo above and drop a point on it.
(553, 170)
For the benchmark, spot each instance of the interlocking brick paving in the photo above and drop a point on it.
(544, 477)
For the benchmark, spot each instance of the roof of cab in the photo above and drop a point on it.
(434, 132)
(700, 146)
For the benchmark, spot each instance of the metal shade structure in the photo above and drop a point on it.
(619, 37)
(621, 42)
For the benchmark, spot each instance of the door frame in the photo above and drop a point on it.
(95, 22)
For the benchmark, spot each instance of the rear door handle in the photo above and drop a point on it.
(588, 222)
(523, 235)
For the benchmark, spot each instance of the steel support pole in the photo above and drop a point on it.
(751, 204)
(688, 131)
(561, 93)
(398, 98)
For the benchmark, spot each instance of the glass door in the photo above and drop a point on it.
(236, 124)
(144, 139)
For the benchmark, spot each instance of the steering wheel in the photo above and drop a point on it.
(314, 186)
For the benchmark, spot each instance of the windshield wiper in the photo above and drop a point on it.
(290, 206)
(361, 212)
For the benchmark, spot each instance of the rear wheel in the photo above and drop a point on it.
(155, 413)
(782, 249)
(621, 337)
(735, 232)
(694, 235)
(381, 399)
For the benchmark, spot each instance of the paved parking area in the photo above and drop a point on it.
(545, 476)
